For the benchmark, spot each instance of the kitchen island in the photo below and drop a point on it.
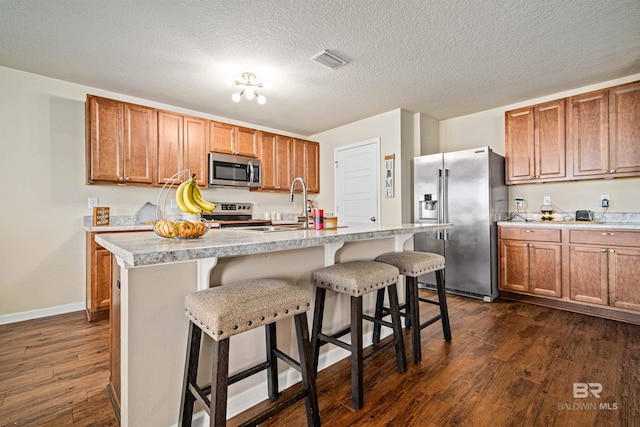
(154, 275)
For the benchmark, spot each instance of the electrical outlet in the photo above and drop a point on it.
(173, 204)
(519, 201)
(546, 200)
(604, 200)
(93, 202)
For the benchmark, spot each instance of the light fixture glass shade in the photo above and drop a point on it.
(236, 97)
(261, 99)
(249, 93)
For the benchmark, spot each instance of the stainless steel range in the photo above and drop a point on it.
(231, 214)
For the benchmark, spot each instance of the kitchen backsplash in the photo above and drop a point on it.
(608, 217)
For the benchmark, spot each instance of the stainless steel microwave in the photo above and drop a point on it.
(234, 171)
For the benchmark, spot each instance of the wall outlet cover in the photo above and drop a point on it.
(93, 202)
(547, 200)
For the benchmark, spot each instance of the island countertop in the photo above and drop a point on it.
(145, 249)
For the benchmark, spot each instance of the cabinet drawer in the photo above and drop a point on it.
(531, 234)
(605, 237)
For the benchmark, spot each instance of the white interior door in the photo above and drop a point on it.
(357, 182)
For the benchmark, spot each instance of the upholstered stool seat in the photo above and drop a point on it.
(227, 310)
(411, 265)
(357, 278)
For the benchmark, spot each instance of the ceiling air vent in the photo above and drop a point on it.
(329, 59)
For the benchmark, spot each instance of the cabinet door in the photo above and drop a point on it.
(514, 265)
(101, 295)
(549, 137)
(313, 167)
(305, 157)
(624, 271)
(545, 269)
(588, 280)
(588, 117)
(140, 144)
(195, 148)
(519, 145)
(283, 162)
(624, 129)
(170, 134)
(104, 136)
(268, 160)
(222, 135)
(246, 142)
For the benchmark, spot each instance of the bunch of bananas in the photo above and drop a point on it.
(181, 229)
(189, 198)
(166, 228)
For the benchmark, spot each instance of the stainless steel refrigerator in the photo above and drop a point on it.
(465, 188)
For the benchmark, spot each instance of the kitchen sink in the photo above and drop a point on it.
(272, 228)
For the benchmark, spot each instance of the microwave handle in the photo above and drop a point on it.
(251, 172)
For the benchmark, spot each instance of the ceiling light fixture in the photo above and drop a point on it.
(248, 84)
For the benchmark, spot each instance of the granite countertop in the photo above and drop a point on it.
(142, 249)
(590, 225)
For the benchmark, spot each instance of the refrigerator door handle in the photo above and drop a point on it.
(439, 234)
(445, 202)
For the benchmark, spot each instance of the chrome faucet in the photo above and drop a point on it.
(305, 224)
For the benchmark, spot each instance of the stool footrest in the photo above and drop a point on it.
(430, 321)
(279, 407)
(428, 301)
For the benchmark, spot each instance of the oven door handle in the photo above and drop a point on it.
(251, 172)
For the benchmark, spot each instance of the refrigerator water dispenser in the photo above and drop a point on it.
(428, 207)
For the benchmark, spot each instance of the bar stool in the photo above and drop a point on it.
(411, 265)
(224, 311)
(357, 278)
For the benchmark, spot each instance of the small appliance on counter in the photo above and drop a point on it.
(546, 213)
(584, 215)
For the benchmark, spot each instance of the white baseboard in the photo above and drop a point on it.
(258, 393)
(43, 312)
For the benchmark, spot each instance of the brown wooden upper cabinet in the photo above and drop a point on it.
(121, 142)
(182, 143)
(236, 140)
(275, 156)
(306, 163)
(604, 130)
(535, 143)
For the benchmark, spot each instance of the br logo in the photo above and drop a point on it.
(582, 390)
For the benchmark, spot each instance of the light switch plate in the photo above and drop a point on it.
(93, 202)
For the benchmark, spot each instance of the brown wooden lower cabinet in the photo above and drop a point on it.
(593, 271)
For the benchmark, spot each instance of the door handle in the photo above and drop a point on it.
(373, 219)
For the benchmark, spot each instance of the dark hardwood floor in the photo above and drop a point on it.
(509, 364)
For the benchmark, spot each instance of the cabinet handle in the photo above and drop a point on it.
(603, 250)
(127, 179)
(612, 251)
(605, 171)
(121, 178)
(525, 245)
(528, 231)
(612, 171)
(118, 284)
(530, 245)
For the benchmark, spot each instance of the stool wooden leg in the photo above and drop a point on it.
(272, 360)
(442, 299)
(318, 313)
(412, 291)
(407, 303)
(306, 369)
(378, 315)
(190, 374)
(219, 383)
(401, 358)
(357, 382)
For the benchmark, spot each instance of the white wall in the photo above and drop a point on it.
(43, 195)
(387, 127)
(487, 128)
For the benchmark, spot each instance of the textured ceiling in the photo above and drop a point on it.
(444, 58)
